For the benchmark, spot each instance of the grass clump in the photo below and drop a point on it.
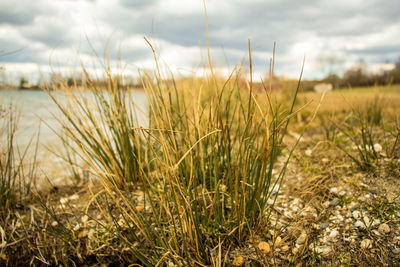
(16, 177)
(199, 179)
(366, 132)
(100, 127)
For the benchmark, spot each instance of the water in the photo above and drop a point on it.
(38, 111)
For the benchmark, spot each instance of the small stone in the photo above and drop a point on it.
(334, 202)
(340, 218)
(353, 205)
(278, 242)
(74, 197)
(366, 243)
(63, 200)
(359, 224)
(333, 234)
(238, 261)
(377, 148)
(84, 219)
(325, 160)
(77, 227)
(356, 214)
(334, 191)
(264, 247)
(376, 232)
(54, 224)
(384, 229)
(308, 152)
(376, 222)
(323, 250)
(323, 225)
(302, 238)
(139, 207)
(342, 193)
(285, 248)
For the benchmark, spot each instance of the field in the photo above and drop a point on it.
(224, 175)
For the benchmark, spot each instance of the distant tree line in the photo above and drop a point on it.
(358, 76)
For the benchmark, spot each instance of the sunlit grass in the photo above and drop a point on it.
(16, 174)
(205, 163)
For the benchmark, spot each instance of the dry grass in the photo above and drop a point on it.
(209, 179)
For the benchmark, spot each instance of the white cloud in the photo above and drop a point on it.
(59, 30)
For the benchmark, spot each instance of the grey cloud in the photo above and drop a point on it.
(15, 17)
(23, 12)
(48, 32)
(384, 49)
(137, 4)
(21, 54)
(285, 21)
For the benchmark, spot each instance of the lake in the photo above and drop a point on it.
(38, 111)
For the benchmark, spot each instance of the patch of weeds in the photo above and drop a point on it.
(345, 200)
(16, 173)
(315, 259)
(374, 111)
(345, 259)
(328, 127)
(100, 127)
(363, 129)
(383, 208)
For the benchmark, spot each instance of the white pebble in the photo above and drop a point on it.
(333, 234)
(302, 238)
(74, 197)
(323, 250)
(384, 229)
(84, 218)
(366, 243)
(334, 191)
(377, 148)
(359, 224)
(356, 214)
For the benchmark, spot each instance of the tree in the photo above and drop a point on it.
(397, 64)
(22, 82)
(357, 75)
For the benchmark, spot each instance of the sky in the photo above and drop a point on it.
(59, 35)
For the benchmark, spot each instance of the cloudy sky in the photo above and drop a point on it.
(59, 34)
